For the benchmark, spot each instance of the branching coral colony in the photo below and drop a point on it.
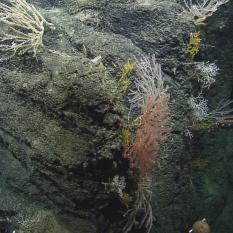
(205, 72)
(149, 97)
(21, 31)
(22, 28)
(201, 9)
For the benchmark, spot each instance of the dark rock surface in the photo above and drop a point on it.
(61, 117)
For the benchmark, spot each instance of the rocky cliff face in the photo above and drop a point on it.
(61, 117)
(212, 151)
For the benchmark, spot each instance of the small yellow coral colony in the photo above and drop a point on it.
(194, 44)
(124, 81)
(126, 137)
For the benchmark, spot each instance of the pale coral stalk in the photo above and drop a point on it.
(22, 28)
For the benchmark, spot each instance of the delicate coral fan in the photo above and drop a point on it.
(200, 108)
(23, 28)
(141, 207)
(149, 81)
(201, 111)
(208, 71)
(150, 134)
(201, 9)
(149, 97)
(117, 185)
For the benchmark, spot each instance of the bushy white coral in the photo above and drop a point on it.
(199, 107)
(22, 28)
(208, 71)
(149, 81)
(203, 8)
(201, 111)
(117, 185)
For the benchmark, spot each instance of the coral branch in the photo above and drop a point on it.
(22, 28)
(155, 116)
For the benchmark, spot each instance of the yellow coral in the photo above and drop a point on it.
(126, 199)
(124, 81)
(194, 44)
(128, 67)
(126, 136)
(204, 125)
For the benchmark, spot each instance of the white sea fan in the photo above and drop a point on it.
(200, 108)
(148, 81)
(208, 71)
(203, 8)
(117, 185)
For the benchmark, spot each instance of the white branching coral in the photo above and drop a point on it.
(201, 9)
(27, 221)
(142, 207)
(207, 71)
(149, 81)
(117, 185)
(22, 28)
(201, 110)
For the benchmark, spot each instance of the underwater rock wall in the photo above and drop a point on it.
(212, 149)
(61, 113)
(56, 123)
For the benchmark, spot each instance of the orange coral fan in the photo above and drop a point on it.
(150, 134)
